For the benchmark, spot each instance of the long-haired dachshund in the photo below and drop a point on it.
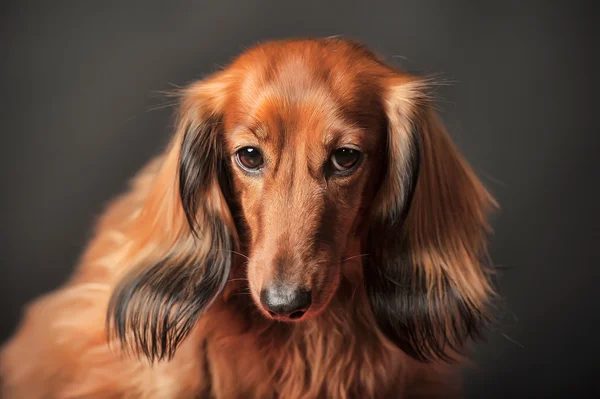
(310, 232)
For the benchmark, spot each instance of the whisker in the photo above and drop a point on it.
(233, 252)
(401, 285)
(354, 257)
(512, 340)
(162, 106)
(236, 279)
(342, 260)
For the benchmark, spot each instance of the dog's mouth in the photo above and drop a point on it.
(293, 317)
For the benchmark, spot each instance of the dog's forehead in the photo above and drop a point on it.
(304, 89)
(290, 82)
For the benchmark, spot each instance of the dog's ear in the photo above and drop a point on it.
(178, 259)
(425, 275)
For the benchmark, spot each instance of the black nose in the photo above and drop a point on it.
(285, 302)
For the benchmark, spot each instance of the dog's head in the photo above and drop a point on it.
(297, 155)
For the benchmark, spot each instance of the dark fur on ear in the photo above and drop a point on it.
(190, 243)
(202, 158)
(428, 288)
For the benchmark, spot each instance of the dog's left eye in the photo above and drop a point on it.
(344, 159)
(250, 159)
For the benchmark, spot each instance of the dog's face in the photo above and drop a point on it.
(293, 157)
(304, 144)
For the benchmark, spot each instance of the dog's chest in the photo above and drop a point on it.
(341, 360)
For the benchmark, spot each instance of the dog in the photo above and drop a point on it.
(311, 231)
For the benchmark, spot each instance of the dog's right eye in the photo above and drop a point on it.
(345, 159)
(249, 159)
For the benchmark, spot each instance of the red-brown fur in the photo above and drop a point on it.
(297, 101)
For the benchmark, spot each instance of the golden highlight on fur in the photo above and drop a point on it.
(297, 278)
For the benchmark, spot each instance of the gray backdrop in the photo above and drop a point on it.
(80, 113)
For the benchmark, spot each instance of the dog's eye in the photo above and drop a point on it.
(249, 158)
(344, 159)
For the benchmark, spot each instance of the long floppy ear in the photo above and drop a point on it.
(425, 277)
(179, 255)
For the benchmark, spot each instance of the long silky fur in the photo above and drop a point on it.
(154, 311)
(429, 318)
(155, 307)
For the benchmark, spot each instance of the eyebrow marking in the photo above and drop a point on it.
(257, 129)
(260, 130)
(342, 136)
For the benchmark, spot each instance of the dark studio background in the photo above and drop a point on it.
(80, 113)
